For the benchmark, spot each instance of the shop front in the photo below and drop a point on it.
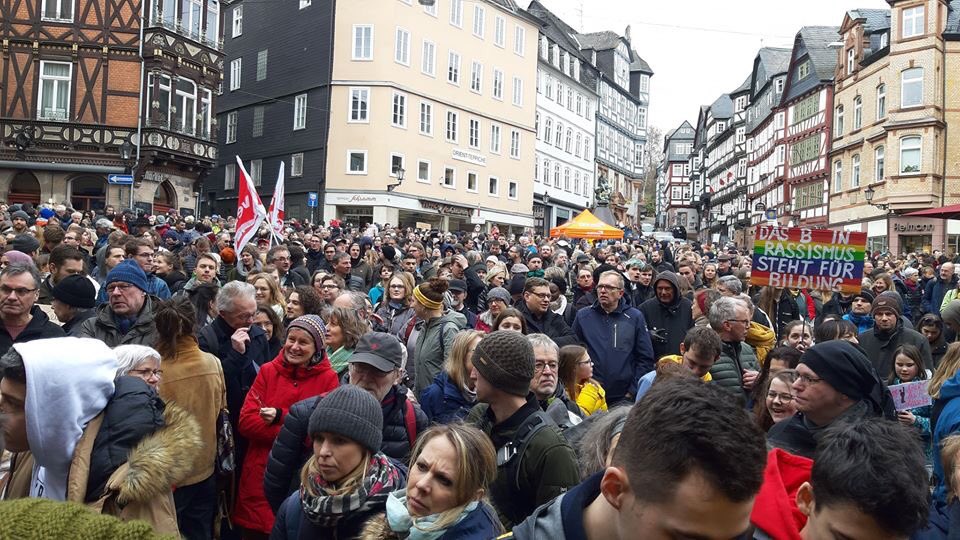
(904, 234)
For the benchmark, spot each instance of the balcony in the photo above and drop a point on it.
(176, 126)
(178, 27)
(53, 114)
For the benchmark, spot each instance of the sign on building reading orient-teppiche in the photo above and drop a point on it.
(808, 259)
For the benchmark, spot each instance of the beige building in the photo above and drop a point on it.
(892, 106)
(442, 95)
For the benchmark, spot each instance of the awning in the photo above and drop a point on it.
(586, 225)
(944, 212)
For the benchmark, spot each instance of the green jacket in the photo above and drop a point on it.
(434, 342)
(727, 371)
(548, 467)
(104, 328)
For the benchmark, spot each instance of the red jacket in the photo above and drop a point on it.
(277, 385)
(775, 509)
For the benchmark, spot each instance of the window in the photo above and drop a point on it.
(559, 140)
(229, 176)
(519, 35)
(515, 144)
(396, 164)
(362, 42)
(806, 108)
(474, 133)
(517, 91)
(426, 118)
(472, 181)
(855, 174)
(456, 13)
(560, 93)
(258, 121)
(453, 68)
(356, 162)
(479, 18)
(494, 138)
(476, 77)
(452, 119)
(579, 105)
(851, 60)
(778, 85)
(721, 126)
(803, 70)
(578, 145)
(54, 95)
(359, 104)
(499, 31)
(878, 164)
(296, 164)
(256, 171)
(568, 144)
(212, 31)
(493, 186)
(642, 117)
(231, 127)
(566, 178)
(741, 135)
(912, 22)
(857, 112)
(430, 9)
(305, 3)
(911, 87)
(401, 51)
(884, 39)
(881, 101)
(838, 122)
(837, 176)
(512, 190)
(546, 171)
(190, 17)
(300, 112)
(910, 155)
(235, 70)
(262, 65)
(548, 130)
(428, 62)
(423, 171)
(237, 21)
(587, 148)
(449, 177)
(556, 175)
(497, 84)
(399, 118)
(58, 10)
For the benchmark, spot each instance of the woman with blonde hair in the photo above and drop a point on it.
(347, 480)
(268, 293)
(451, 468)
(453, 393)
(576, 375)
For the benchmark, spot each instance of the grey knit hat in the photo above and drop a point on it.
(499, 293)
(351, 412)
(505, 359)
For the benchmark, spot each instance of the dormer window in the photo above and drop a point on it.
(851, 60)
(884, 40)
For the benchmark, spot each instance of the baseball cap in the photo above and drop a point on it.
(458, 285)
(380, 350)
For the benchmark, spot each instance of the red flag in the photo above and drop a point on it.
(250, 211)
(275, 213)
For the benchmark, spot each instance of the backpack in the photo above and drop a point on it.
(510, 455)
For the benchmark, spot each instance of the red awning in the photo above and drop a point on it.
(944, 212)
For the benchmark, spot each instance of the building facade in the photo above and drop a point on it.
(675, 188)
(81, 79)
(894, 140)
(566, 130)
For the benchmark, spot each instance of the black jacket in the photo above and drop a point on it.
(39, 327)
(785, 310)
(636, 294)
(881, 346)
(238, 370)
(667, 323)
(74, 323)
(835, 306)
(292, 446)
(550, 324)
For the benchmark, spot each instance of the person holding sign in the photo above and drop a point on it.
(907, 369)
(889, 333)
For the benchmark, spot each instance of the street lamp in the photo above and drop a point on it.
(868, 194)
(399, 172)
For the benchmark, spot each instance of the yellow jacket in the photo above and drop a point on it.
(592, 398)
(678, 359)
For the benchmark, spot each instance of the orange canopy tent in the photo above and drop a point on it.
(586, 225)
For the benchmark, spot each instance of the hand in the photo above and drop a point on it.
(462, 261)
(906, 418)
(750, 378)
(268, 414)
(239, 340)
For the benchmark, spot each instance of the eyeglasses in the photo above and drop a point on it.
(147, 372)
(741, 321)
(122, 287)
(608, 288)
(540, 366)
(542, 296)
(785, 398)
(280, 259)
(805, 379)
(19, 291)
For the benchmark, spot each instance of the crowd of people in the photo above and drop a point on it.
(376, 382)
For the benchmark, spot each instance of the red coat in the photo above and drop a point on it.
(775, 509)
(277, 385)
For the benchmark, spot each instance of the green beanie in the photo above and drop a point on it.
(41, 519)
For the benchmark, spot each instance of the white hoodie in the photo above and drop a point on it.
(69, 381)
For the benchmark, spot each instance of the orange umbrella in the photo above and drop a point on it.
(586, 225)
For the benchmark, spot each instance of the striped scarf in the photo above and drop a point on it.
(339, 359)
(326, 510)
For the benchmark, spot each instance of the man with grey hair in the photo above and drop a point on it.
(546, 386)
(20, 319)
(358, 302)
(729, 285)
(240, 345)
(736, 369)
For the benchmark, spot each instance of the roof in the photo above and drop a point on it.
(555, 28)
(639, 64)
(817, 41)
(874, 19)
(599, 41)
(744, 86)
(722, 107)
(685, 124)
(953, 18)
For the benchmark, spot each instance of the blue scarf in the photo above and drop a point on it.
(401, 521)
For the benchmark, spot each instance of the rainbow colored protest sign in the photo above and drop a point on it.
(808, 259)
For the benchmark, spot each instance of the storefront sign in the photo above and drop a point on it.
(919, 228)
(909, 395)
(446, 209)
(360, 199)
(469, 157)
(808, 259)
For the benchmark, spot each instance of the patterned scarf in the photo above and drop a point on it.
(326, 510)
(339, 359)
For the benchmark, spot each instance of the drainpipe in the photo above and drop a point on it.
(143, 22)
(946, 128)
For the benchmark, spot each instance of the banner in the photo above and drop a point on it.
(808, 259)
(910, 395)
(275, 213)
(250, 211)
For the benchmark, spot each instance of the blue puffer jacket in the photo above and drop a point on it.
(947, 423)
(443, 402)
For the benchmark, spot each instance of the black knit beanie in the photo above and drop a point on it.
(351, 412)
(505, 359)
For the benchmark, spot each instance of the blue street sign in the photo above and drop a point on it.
(311, 199)
(120, 179)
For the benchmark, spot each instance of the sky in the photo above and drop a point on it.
(700, 49)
